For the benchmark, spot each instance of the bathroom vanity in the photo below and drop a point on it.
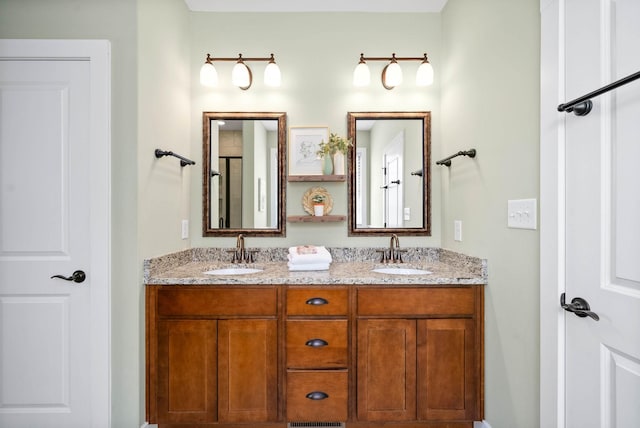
(348, 345)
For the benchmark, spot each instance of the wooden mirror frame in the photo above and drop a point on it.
(280, 230)
(425, 116)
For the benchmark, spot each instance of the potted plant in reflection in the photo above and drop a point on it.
(328, 150)
(318, 205)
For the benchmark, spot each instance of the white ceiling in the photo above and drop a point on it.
(316, 5)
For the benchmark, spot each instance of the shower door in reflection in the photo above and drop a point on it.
(230, 192)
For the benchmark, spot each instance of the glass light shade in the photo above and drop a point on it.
(240, 75)
(208, 75)
(361, 75)
(424, 75)
(272, 76)
(393, 76)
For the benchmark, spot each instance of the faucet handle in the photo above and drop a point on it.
(399, 252)
(383, 258)
(235, 255)
(250, 255)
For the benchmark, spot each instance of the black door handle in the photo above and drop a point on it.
(578, 306)
(78, 276)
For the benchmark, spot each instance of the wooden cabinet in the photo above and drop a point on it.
(419, 354)
(186, 368)
(262, 356)
(211, 355)
(317, 354)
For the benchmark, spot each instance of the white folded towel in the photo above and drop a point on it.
(308, 254)
(308, 266)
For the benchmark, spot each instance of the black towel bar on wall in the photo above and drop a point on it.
(183, 161)
(447, 161)
(582, 106)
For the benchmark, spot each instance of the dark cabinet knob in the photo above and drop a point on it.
(316, 343)
(317, 395)
(317, 301)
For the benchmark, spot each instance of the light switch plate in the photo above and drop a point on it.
(407, 214)
(185, 229)
(457, 230)
(522, 214)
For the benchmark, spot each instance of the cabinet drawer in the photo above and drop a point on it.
(317, 396)
(317, 301)
(416, 301)
(192, 302)
(317, 344)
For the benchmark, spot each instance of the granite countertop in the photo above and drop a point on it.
(349, 266)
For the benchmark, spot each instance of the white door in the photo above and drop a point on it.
(593, 229)
(393, 200)
(54, 220)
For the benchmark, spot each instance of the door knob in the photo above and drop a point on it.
(78, 276)
(578, 306)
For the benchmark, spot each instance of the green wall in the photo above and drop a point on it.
(116, 22)
(485, 56)
(316, 53)
(490, 102)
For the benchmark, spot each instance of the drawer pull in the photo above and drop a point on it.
(317, 301)
(316, 343)
(317, 395)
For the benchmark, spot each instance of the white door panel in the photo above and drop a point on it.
(53, 189)
(600, 218)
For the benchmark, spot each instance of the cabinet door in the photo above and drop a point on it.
(247, 370)
(386, 370)
(186, 371)
(447, 376)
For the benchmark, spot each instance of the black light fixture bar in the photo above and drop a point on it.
(582, 106)
(389, 58)
(210, 59)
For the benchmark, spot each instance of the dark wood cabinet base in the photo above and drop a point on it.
(371, 356)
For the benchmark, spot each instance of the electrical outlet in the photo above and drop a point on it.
(457, 230)
(185, 229)
(522, 214)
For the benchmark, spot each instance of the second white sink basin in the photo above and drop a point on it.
(233, 271)
(402, 271)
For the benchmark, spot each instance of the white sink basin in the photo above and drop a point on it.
(233, 271)
(402, 271)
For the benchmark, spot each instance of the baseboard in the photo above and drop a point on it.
(476, 424)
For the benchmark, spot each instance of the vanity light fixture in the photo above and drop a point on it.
(392, 73)
(241, 75)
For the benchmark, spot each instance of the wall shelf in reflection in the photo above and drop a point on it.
(307, 178)
(316, 219)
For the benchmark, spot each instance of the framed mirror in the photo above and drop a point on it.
(388, 173)
(244, 158)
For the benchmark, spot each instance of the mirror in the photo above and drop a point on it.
(244, 156)
(389, 175)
